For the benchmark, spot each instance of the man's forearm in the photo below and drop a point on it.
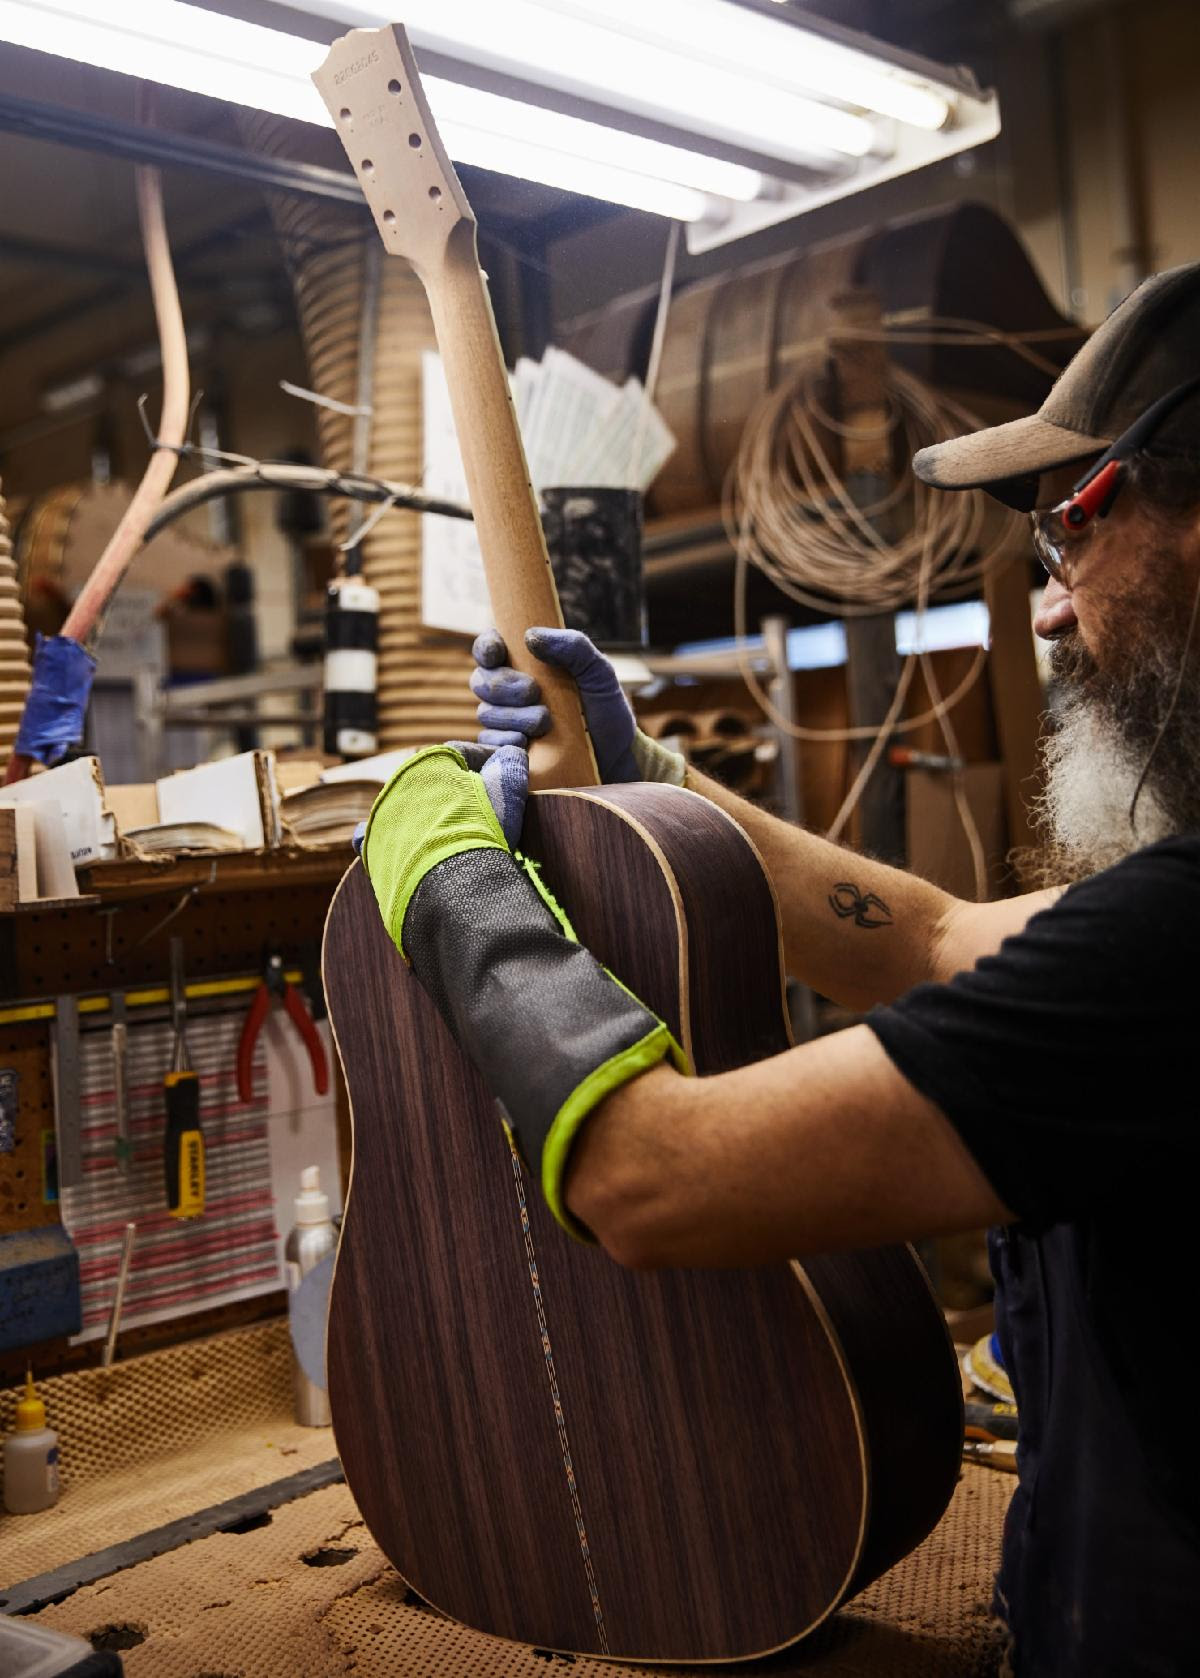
(829, 1148)
(855, 930)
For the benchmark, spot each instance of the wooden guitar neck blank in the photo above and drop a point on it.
(372, 90)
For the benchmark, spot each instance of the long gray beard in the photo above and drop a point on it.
(1106, 730)
(1091, 776)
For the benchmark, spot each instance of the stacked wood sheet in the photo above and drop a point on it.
(14, 657)
(422, 684)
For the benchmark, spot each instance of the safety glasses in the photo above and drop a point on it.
(1060, 534)
(1057, 543)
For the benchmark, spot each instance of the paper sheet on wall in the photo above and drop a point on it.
(578, 429)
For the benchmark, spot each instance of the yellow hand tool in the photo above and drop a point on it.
(183, 1140)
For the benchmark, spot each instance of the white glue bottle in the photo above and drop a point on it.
(311, 1239)
(30, 1457)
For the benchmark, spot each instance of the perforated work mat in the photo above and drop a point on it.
(308, 1595)
(157, 1438)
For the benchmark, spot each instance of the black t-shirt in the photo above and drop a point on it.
(1067, 1063)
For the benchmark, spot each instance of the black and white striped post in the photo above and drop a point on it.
(351, 642)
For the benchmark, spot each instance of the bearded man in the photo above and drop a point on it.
(1023, 1064)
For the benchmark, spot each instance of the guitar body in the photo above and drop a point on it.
(658, 1466)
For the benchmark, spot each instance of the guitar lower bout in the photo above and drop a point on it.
(676, 1466)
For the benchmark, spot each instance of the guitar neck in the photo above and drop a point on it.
(515, 561)
(371, 87)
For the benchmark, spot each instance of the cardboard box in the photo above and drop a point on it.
(35, 864)
(78, 791)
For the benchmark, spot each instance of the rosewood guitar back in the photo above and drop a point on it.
(673, 1466)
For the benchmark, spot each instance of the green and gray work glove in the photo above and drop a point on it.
(512, 714)
(549, 1029)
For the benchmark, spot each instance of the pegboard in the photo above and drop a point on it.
(124, 941)
(24, 1050)
(118, 944)
(180, 1265)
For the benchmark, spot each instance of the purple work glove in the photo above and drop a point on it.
(504, 771)
(510, 708)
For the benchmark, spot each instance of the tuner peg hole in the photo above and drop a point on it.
(435, 192)
(368, 168)
(414, 141)
(393, 86)
(346, 115)
(389, 217)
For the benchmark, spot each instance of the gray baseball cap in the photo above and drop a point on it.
(1148, 345)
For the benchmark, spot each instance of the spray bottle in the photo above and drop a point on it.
(311, 1239)
(30, 1457)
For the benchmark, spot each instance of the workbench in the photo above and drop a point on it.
(266, 1570)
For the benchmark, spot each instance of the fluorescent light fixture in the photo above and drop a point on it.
(199, 51)
(602, 59)
(819, 646)
(510, 156)
(833, 110)
(962, 623)
(454, 104)
(775, 53)
(57, 399)
(745, 82)
(178, 45)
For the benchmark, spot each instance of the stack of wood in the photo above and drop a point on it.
(422, 681)
(14, 654)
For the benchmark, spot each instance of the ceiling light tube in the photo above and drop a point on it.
(198, 51)
(510, 156)
(455, 105)
(597, 61)
(178, 45)
(783, 54)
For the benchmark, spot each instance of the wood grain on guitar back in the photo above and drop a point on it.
(670, 1466)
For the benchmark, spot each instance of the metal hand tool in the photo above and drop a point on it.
(183, 1140)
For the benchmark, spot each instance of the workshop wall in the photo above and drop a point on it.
(1129, 87)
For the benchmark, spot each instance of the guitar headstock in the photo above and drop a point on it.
(372, 90)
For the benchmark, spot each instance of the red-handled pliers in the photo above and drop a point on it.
(275, 983)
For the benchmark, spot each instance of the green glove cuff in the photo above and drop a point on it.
(656, 763)
(626, 1064)
(433, 808)
(619, 1069)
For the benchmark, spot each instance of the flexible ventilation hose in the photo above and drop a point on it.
(422, 674)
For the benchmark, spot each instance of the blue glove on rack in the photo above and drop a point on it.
(512, 715)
